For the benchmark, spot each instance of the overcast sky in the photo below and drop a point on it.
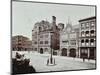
(26, 14)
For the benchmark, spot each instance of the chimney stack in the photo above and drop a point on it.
(54, 20)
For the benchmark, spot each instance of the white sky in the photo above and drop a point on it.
(26, 14)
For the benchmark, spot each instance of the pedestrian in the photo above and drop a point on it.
(18, 56)
(83, 59)
(47, 61)
(54, 61)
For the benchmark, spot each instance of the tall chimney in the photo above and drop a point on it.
(54, 20)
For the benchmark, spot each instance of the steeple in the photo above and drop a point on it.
(68, 25)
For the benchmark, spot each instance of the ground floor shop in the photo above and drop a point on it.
(88, 52)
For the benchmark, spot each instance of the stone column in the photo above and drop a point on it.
(68, 52)
(88, 52)
(79, 52)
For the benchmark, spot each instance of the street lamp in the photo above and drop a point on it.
(51, 58)
(51, 62)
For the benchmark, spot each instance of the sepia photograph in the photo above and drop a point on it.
(52, 37)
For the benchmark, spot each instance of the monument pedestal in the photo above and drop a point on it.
(51, 62)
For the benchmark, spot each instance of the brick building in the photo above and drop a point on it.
(45, 36)
(69, 40)
(21, 43)
(87, 41)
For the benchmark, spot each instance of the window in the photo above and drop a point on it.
(87, 42)
(19, 43)
(35, 42)
(92, 23)
(40, 28)
(46, 42)
(82, 26)
(64, 41)
(92, 41)
(41, 42)
(87, 33)
(84, 51)
(92, 31)
(73, 42)
(73, 35)
(87, 25)
(82, 33)
(82, 41)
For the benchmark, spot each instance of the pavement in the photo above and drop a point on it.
(39, 62)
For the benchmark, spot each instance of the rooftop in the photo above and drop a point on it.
(89, 18)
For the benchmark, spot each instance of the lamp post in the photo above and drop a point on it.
(50, 61)
(51, 58)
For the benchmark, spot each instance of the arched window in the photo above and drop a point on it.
(86, 40)
(92, 31)
(82, 25)
(82, 33)
(92, 40)
(87, 32)
(40, 28)
(82, 41)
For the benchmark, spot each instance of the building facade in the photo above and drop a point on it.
(69, 40)
(21, 43)
(45, 36)
(87, 41)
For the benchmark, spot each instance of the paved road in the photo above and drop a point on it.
(39, 62)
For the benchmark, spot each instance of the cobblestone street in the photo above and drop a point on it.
(39, 62)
